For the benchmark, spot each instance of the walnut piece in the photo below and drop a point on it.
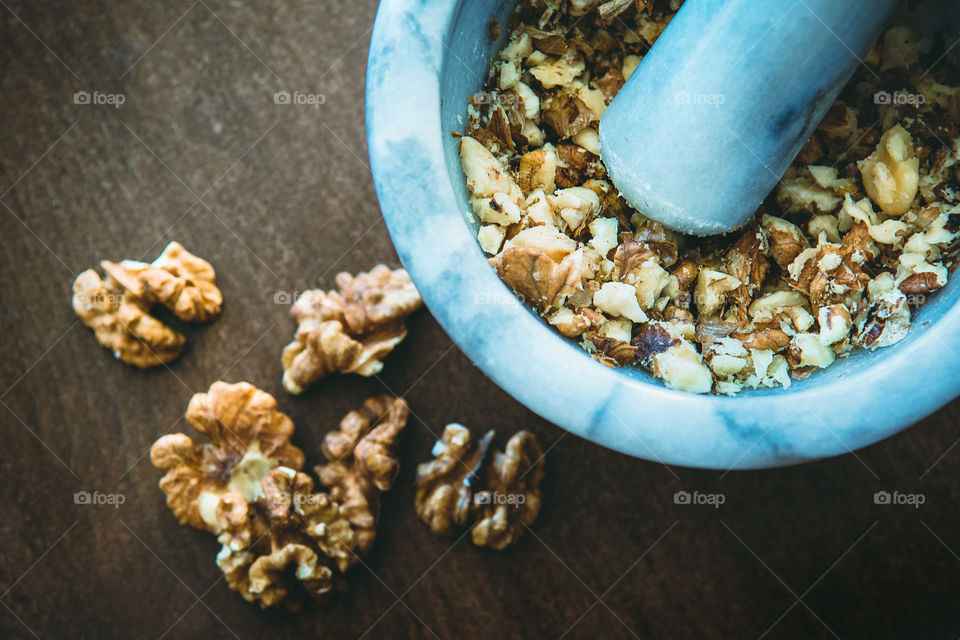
(178, 280)
(118, 308)
(568, 115)
(511, 500)
(446, 484)
(122, 324)
(362, 462)
(287, 536)
(247, 437)
(468, 482)
(536, 277)
(350, 330)
(891, 174)
(785, 240)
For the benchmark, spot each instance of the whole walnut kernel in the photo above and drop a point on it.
(118, 308)
(247, 437)
(350, 330)
(466, 481)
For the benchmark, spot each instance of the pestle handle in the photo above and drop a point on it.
(724, 101)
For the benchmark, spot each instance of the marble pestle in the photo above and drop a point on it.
(723, 102)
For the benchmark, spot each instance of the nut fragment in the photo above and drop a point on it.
(712, 291)
(891, 173)
(568, 115)
(786, 240)
(466, 481)
(835, 323)
(536, 277)
(538, 170)
(350, 330)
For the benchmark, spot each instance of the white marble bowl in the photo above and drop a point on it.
(426, 57)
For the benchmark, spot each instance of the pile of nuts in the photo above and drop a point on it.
(246, 486)
(862, 227)
(282, 541)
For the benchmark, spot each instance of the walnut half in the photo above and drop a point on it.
(362, 462)
(467, 482)
(118, 308)
(350, 330)
(247, 437)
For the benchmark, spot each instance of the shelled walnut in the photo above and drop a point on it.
(362, 462)
(280, 538)
(350, 330)
(247, 436)
(118, 308)
(289, 535)
(445, 485)
(467, 482)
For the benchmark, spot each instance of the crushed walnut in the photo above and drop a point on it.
(350, 330)
(118, 308)
(468, 483)
(245, 485)
(861, 229)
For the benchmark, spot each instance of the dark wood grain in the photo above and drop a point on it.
(279, 198)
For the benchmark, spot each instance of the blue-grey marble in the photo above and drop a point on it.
(426, 57)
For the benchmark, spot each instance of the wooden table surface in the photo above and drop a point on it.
(279, 198)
